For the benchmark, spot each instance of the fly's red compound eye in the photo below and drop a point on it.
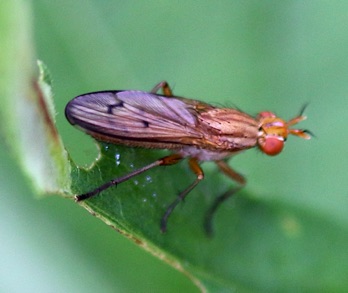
(271, 145)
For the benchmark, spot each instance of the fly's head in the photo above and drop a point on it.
(273, 132)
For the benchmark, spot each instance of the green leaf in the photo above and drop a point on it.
(258, 243)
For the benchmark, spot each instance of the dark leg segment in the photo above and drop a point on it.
(208, 219)
(193, 163)
(228, 171)
(169, 160)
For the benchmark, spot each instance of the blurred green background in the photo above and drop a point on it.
(269, 55)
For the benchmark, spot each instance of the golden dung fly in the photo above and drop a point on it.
(189, 128)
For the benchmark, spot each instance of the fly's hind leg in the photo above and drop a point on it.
(229, 172)
(165, 161)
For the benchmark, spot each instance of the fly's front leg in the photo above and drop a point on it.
(168, 160)
(167, 91)
(229, 172)
(193, 163)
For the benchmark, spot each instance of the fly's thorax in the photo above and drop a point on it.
(230, 129)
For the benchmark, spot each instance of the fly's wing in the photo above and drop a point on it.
(134, 117)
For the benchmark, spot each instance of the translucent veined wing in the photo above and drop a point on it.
(134, 116)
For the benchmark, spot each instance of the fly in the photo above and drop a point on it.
(189, 128)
